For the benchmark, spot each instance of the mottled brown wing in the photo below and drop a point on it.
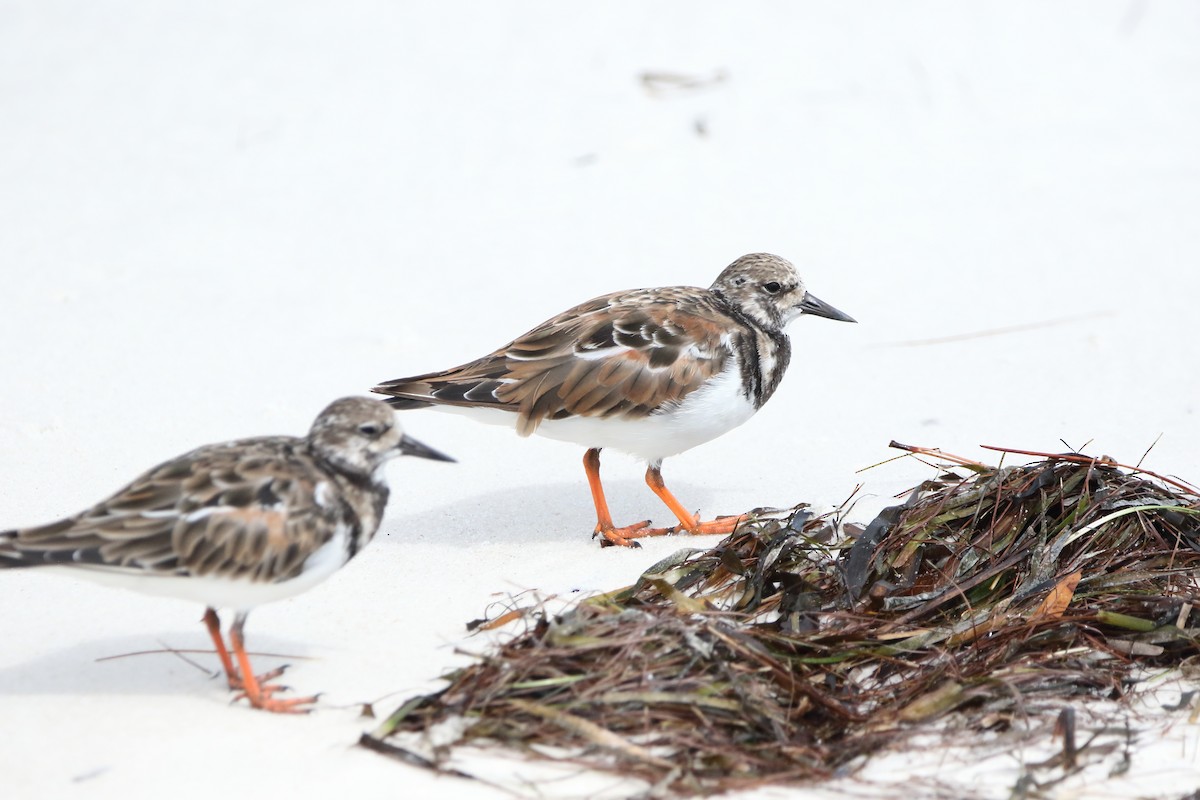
(244, 510)
(625, 354)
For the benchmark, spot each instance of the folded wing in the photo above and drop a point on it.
(616, 355)
(209, 513)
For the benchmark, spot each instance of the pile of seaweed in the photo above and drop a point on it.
(992, 597)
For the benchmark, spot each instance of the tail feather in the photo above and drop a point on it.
(404, 394)
(40, 545)
(10, 556)
(405, 403)
(473, 384)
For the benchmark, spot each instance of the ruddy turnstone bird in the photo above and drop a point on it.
(650, 372)
(236, 525)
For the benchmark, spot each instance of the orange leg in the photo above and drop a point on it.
(604, 524)
(688, 522)
(213, 623)
(214, 630)
(253, 688)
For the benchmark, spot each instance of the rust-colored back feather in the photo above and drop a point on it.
(617, 354)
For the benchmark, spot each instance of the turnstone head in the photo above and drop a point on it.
(237, 524)
(650, 372)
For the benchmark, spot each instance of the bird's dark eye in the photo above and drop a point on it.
(369, 429)
(772, 287)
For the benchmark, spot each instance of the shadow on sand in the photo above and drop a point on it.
(555, 512)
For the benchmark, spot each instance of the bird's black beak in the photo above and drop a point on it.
(411, 447)
(818, 307)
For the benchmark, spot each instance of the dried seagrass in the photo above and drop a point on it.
(789, 649)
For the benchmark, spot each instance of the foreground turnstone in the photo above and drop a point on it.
(650, 372)
(237, 524)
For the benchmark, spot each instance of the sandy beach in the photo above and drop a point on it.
(219, 217)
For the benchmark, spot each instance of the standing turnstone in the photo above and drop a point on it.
(237, 524)
(650, 372)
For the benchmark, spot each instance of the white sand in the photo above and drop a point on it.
(216, 217)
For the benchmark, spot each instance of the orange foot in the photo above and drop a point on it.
(261, 694)
(255, 688)
(721, 525)
(263, 699)
(688, 522)
(622, 537)
(235, 682)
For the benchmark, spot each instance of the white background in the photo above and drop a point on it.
(216, 217)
